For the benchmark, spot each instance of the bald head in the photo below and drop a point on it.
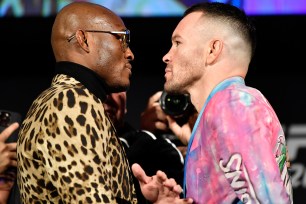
(96, 38)
(76, 16)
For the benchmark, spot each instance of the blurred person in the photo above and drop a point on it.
(68, 150)
(8, 162)
(154, 119)
(150, 150)
(237, 149)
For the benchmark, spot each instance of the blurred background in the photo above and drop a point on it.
(277, 69)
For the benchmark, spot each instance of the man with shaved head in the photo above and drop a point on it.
(68, 150)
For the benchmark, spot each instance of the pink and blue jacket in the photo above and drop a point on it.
(237, 151)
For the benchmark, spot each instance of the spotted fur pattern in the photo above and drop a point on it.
(68, 151)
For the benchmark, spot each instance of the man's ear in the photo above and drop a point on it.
(214, 50)
(81, 37)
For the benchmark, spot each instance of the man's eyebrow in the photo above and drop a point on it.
(175, 37)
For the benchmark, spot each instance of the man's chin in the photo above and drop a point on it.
(169, 88)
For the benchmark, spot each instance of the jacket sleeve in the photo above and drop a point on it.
(75, 153)
(249, 148)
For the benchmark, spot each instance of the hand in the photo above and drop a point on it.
(182, 132)
(171, 193)
(8, 157)
(159, 189)
(153, 117)
(150, 186)
(4, 196)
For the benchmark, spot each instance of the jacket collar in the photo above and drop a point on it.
(95, 84)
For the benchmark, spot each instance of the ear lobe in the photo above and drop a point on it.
(215, 48)
(81, 37)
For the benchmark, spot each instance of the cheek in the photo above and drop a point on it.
(112, 57)
(188, 67)
(108, 60)
(104, 58)
(182, 61)
(188, 59)
(108, 53)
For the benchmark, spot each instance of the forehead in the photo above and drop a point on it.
(108, 20)
(190, 23)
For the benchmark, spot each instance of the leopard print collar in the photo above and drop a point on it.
(95, 84)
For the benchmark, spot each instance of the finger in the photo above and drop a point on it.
(187, 201)
(170, 183)
(178, 131)
(161, 125)
(154, 98)
(177, 189)
(8, 131)
(12, 155)
(161, 176)
(161, 115)
(156, 113)
(13, 163)
(12, 146)
(171, 121)
(167, 189)
(140, 174)
(10, 161)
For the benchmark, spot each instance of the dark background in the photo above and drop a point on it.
(277, 69)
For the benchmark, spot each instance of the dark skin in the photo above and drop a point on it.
(104, 54)
(100, 52)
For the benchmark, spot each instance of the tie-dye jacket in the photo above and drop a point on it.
(237, 150)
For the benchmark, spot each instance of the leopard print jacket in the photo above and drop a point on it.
(68, 150)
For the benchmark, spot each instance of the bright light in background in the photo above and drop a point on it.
(150, 8)
(272, 7)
